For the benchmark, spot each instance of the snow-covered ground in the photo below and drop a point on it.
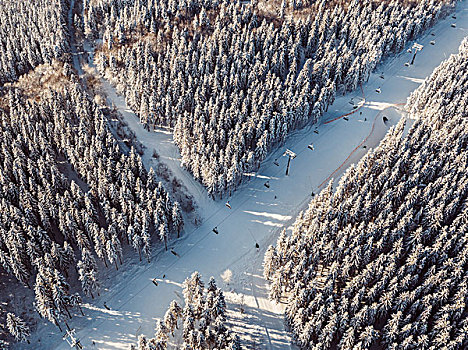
(258, 213)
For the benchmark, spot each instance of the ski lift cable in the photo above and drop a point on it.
(352, 112)
(155, 252)
(252, 235)
(203, 237)
(189, 249)
(357, 147)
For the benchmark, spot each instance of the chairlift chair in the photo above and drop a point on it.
(311, 147)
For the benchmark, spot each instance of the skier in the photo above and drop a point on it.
(164, 276)
(155, 282)
(215, 229)
(385, 119)
(275, 197)
(257, 246)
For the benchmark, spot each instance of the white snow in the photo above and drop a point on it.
(256, 216)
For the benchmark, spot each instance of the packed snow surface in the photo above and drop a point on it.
(258, 213)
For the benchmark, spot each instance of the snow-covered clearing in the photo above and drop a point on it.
(258, 213)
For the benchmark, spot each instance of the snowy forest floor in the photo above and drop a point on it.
(258, 213)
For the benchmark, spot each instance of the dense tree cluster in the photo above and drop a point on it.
(232, 83)
(31, 33)
(383, 260)
(69, 196)
(202, 318)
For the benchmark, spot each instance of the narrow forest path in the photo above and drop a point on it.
(258, 213)
(160, 140)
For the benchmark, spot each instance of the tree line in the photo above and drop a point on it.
(381, 261)
(233, 83)
(70, 197)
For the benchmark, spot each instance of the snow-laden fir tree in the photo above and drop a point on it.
(381, 261)
(17, 327)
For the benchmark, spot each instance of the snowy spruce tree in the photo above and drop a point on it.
(381, 261)
(17, 327)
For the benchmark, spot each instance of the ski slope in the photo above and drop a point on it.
(258, 213)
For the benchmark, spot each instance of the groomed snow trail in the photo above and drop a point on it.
(258, 213)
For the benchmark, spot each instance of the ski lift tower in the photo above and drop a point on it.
(416, 47)
(71, 340)
(291, 155)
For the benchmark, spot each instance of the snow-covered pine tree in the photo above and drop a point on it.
(17, 327)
